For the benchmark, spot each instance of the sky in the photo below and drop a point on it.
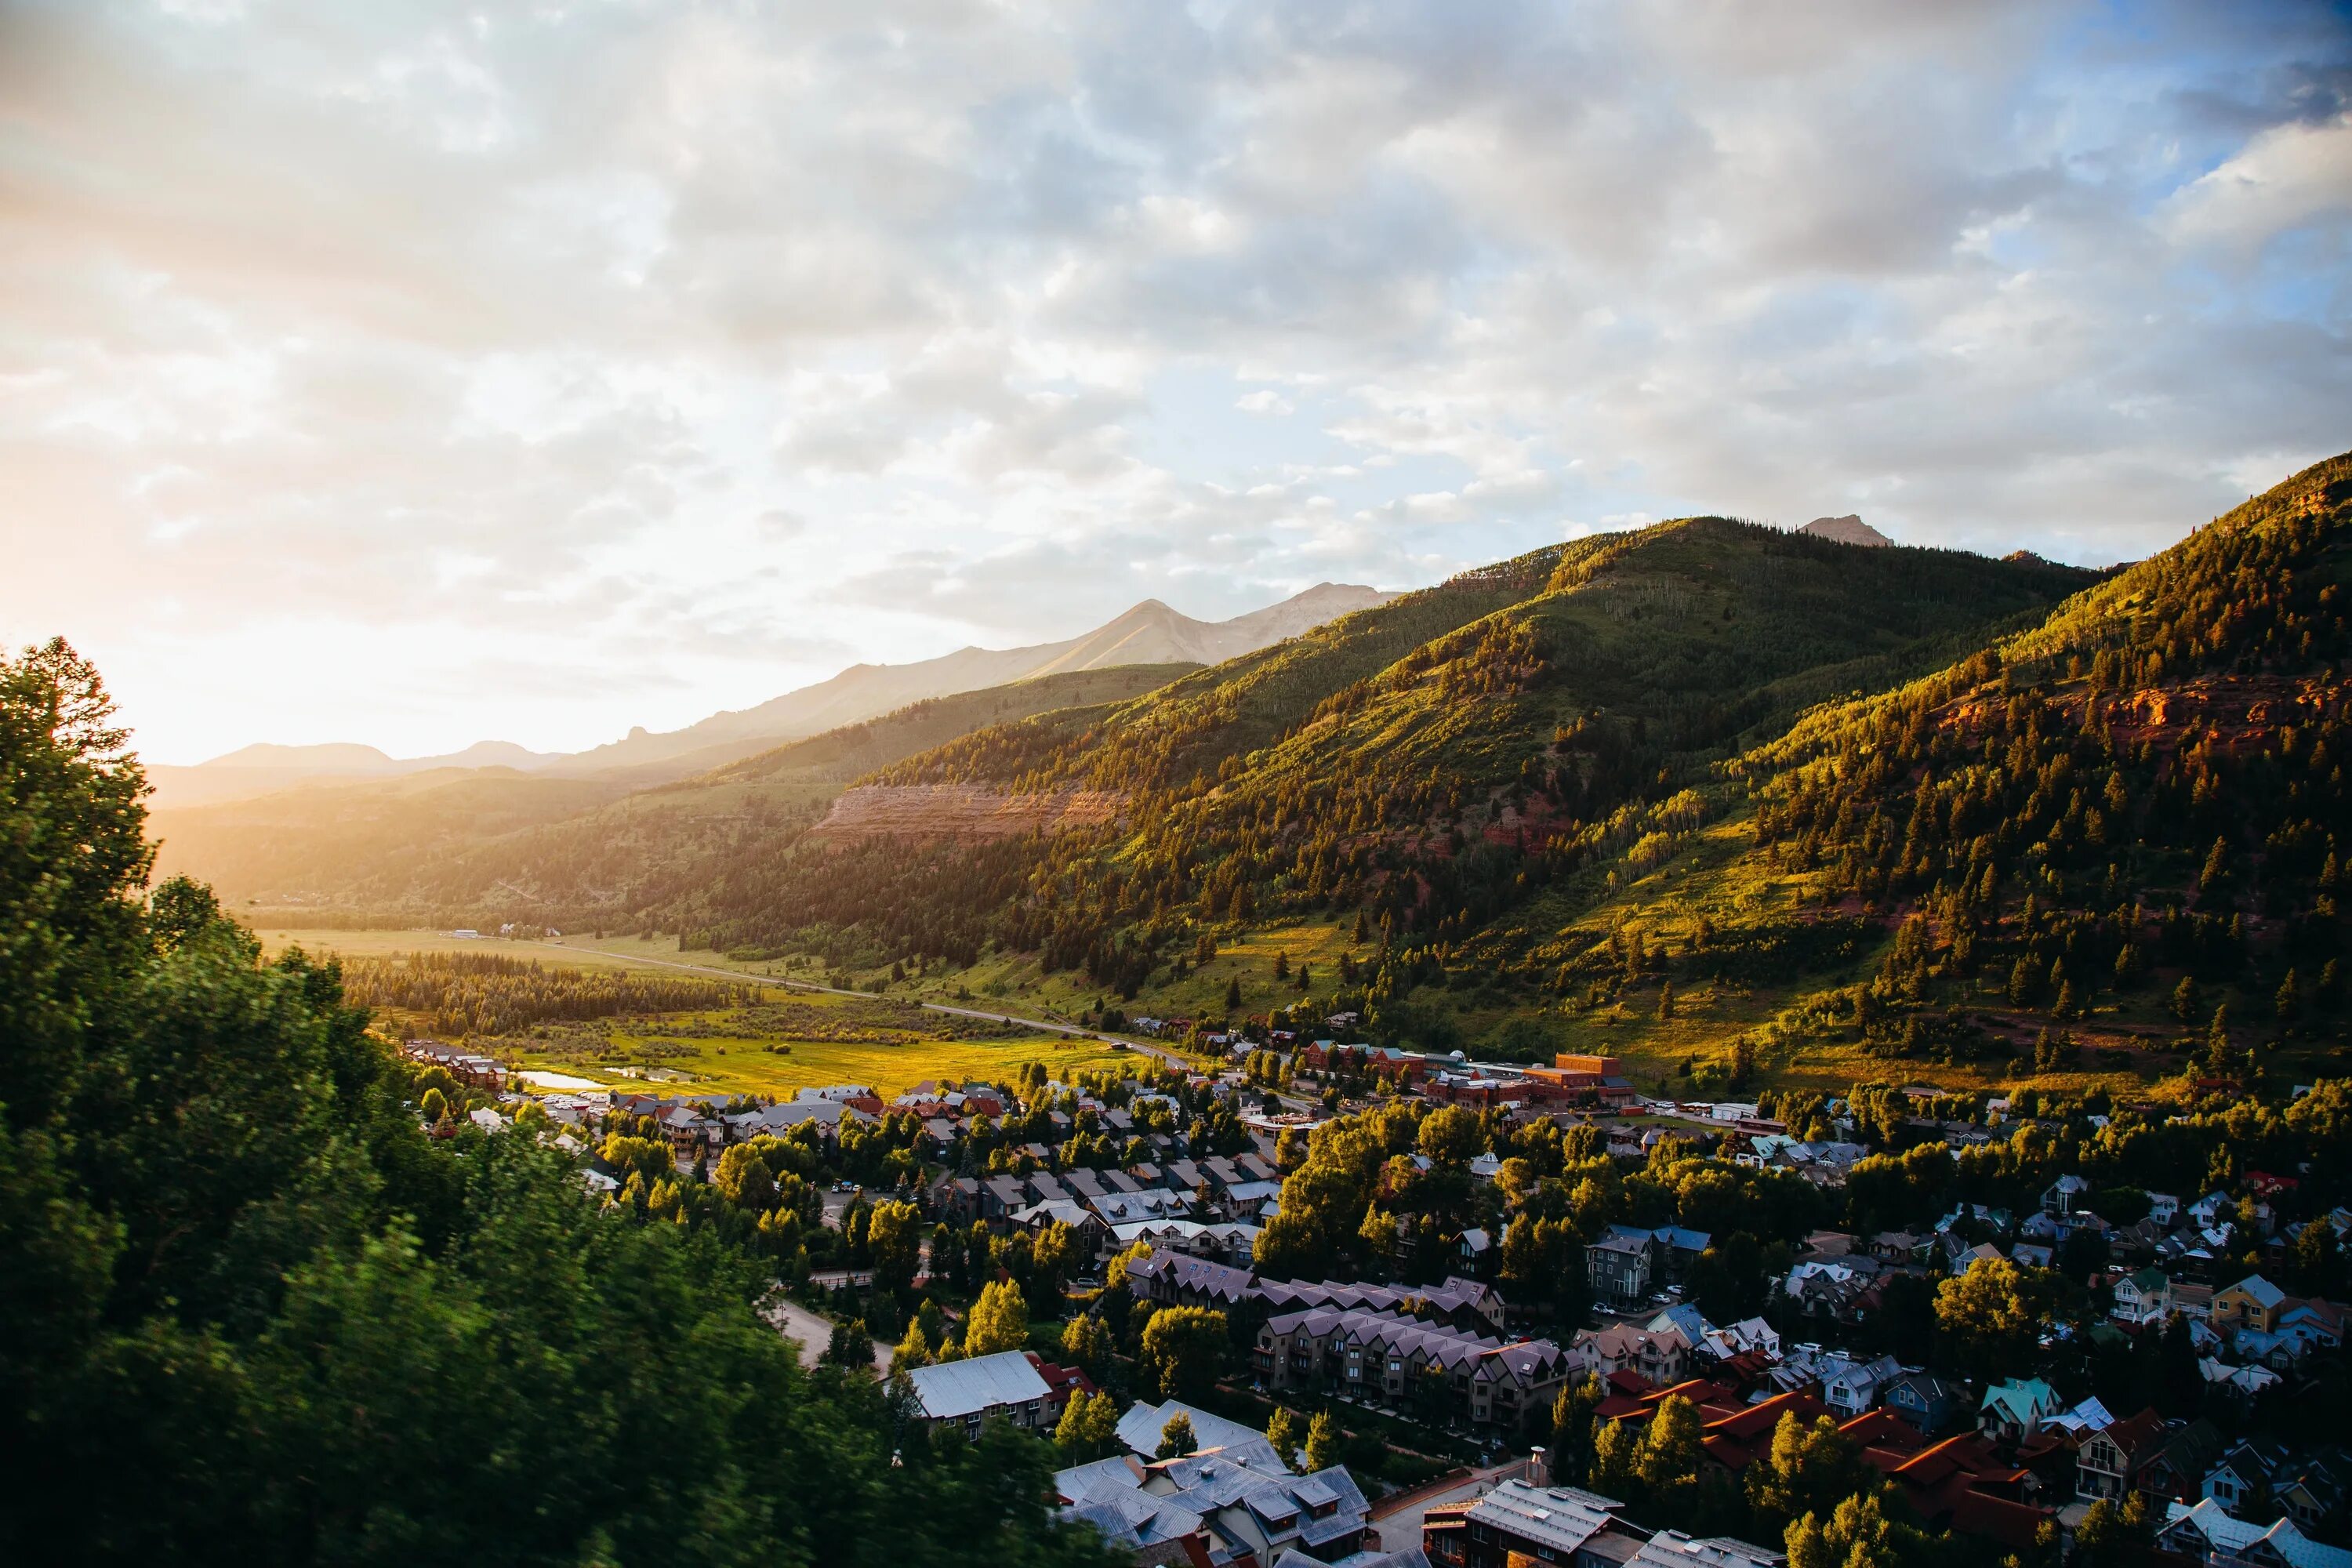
(419, 374)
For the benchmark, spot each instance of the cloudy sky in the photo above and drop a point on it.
(422, 374)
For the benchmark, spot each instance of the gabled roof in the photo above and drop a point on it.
(2232, 1536)
(2025, 1400)
(2259, 1290)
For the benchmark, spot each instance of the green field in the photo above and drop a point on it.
(730, 1065)
(713, 1052)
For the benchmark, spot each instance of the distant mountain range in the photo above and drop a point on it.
(1149, 634)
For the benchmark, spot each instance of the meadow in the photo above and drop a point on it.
(791, 1041)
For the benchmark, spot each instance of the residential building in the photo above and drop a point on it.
(1399, 1360)
(1007, 1385)
(2013, 1410)
(1214, 1506)
(1855, 1388)
(2209, 1535)
(2176, 1473)
(2253, 1302)
(1618, 1267)
(2243, 1475)
(2108, 1462)
(1517, 1523)
(1934, 1405)
(2142, 1297)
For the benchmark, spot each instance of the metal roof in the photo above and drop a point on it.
(961, 1388)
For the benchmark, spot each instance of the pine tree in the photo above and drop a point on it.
(1176, 1438)
(1234, 995)
(1665, 1001)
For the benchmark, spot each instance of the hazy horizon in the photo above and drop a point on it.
(414, 376)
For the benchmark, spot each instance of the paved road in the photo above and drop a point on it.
(1041, 1025)
(813, 1333)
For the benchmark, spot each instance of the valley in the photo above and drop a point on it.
(1544, 807)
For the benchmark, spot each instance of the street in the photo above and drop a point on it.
(813, 1333)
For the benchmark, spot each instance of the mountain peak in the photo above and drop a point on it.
(1847, 530)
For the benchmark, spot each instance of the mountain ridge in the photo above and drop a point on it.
(1149, 632)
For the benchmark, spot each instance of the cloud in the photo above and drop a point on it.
(2286, 178)
(412, 375)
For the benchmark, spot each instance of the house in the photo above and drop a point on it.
(2243, 1475)
(2164, 1208)
(2065, 1195)
(2177, 1471)
(2208, 1536)
(1217, 1505)
(961, 1395)
(2109, 1461)
(2314, 1492)
(1618, 1265)
(1520, 1522)
(1934, 1405)
(1855, 1388)
(1658, 1356)
(2253, 1302)
(2142, 1297)
(2013, 1410)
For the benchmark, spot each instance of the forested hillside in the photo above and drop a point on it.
(252, 1313)
(1419, 768)
(1733, 803)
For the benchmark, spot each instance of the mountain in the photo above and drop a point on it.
(1715, 799)
(260, 770)
(1846, 529)
(1732, 804)
(1149, 634)
(1427, 762)
(452, 838)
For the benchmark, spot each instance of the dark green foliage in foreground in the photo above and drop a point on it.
(250, 1312)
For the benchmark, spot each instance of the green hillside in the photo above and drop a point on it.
(470, 844)
(1418, 769)
(2059, 856)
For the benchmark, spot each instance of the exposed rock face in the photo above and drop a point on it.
(1847, 530)
(968, 812)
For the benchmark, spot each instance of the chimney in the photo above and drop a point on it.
(1539, 1468)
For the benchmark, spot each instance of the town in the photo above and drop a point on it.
(1298, 1300)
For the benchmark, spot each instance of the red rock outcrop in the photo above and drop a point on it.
(968, 812)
